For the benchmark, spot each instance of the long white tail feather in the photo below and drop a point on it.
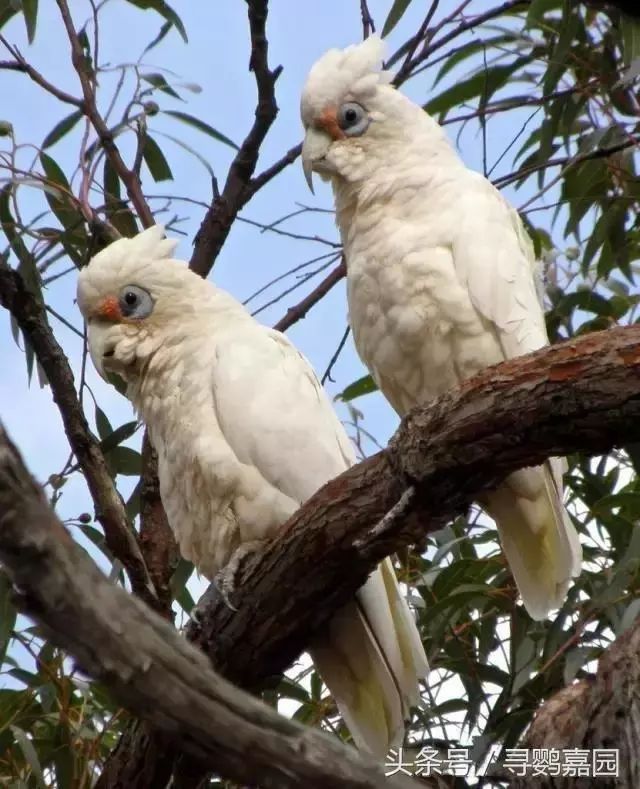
(371, 658)
(538, 539)
(414, 660)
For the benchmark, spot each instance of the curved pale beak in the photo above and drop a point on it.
(314, 148)
(99, 346)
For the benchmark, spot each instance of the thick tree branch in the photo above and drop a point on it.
(147, 666)
(157, 543)
(121, 540)
(238, 188)
(581, 395)
(593, 714)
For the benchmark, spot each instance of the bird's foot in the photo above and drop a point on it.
(225, 580)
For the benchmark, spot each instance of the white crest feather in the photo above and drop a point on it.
(151, 244)
(356, 70)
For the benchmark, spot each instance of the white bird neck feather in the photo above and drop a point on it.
(413, 156)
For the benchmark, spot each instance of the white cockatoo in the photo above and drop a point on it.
(244, 435)
(441, 281)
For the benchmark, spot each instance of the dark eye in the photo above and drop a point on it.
(135, 302)
(353, 119)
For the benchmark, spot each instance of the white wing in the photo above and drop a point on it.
(494, 257)
(276, 417)
(274, 413)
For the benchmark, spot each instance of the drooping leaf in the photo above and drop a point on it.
(165, 10)
(116, 209)
(481, 85)
(30, 754)
(8, 614)
(201, 126)
(395, 14)
(166, 27)
(118, 435)
(61, 128)
(30, 13)
(362, 386)
(156, 161)
(178, 585)
(125, 461)
(158, 81)
(103, 425)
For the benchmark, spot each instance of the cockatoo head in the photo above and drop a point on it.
(355, 121)
(134, 298)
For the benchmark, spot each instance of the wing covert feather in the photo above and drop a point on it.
(274, 413)
(494, 256)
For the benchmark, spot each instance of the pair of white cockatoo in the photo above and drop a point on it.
(441, 284)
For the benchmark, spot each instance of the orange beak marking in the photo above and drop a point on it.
(328, 122)
(109, 309)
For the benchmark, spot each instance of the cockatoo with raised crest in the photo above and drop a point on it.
(244, 435)
(441, 281)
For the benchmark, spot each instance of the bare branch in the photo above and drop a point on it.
(294, 314)
(128, 177)
(31, 317)
(264, 177)
(238, 187)
(20, 64)
(425, 53)
(368, 25)
(327, 373)
(565, 161)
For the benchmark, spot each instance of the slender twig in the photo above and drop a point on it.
(294, 314)
(327, 373)
(266, 175)
(468, 24)
(286, 274)
(90, 108)
(301, 281)
(64, 321)
(20, 64)
(415, 40)
(368, 25)
(272, 228)
(565, 161)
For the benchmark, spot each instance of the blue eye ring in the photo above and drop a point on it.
(353, 119)
(135, 302)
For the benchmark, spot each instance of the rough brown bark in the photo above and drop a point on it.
(158, 545)
(30, 315)
(146, 665)
(582, 395)
(599, 713)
